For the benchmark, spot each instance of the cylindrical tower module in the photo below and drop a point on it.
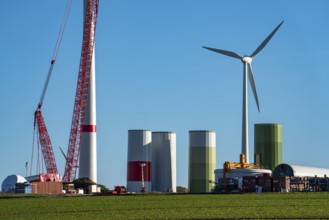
(139, 161)
(202, 160)
(268, 145)
(88, 145)
(164, 161)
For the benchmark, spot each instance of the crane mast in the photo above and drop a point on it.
(81, 96)
(44, 139)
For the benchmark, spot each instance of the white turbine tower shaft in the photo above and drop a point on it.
(247, 74)
(244, 144)
(88, 145)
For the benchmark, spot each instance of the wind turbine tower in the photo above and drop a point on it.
(81, 152)
(247, 73)
(88, 145)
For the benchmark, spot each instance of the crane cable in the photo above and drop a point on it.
(62, 29)
(57, 47)
(31, 164)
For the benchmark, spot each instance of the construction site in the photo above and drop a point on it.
(151, 158)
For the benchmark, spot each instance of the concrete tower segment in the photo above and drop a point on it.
(202, 161)
(163, 161)
(139, 161)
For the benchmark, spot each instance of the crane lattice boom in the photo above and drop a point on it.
(44, 139)
(81, 95)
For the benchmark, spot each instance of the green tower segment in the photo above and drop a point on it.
(268, 145)
(202, 160)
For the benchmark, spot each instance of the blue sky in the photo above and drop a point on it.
(153, 74)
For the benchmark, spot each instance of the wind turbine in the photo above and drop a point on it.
(247, 73)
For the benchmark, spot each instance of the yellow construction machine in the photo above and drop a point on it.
(242, 164)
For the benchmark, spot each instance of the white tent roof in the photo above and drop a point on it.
(309, 171)
(297, 170)
(9, 184)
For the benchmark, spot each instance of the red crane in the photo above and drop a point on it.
(44, 139)
(81, 95)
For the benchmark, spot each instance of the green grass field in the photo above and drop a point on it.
(176, 206)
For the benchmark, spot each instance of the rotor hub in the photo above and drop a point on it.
(247, 59)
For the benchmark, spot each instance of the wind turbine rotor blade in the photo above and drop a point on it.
(263, 44)
(225, 52)
(63, 153)
(252, 84)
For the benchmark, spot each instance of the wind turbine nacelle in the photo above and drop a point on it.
(247, 60)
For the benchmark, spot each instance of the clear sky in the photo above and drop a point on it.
(153, 74)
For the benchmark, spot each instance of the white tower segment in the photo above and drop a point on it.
(163, 161)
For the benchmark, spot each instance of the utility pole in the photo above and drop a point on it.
(26, 168)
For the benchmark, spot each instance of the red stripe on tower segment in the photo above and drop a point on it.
(135, 171)
(89, 128)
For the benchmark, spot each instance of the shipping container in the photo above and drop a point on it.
(47, 187)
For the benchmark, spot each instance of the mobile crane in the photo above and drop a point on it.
(39, 122)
